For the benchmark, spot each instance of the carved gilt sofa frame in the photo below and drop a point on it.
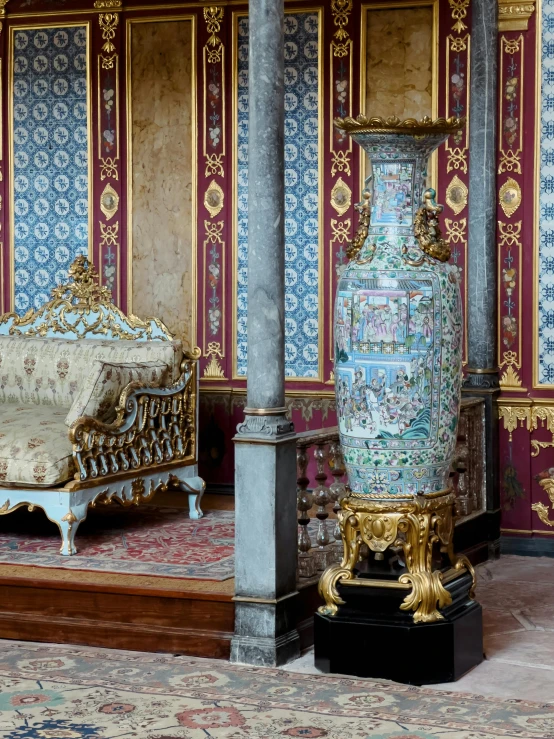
(151, 444)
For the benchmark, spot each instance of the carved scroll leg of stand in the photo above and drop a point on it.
(195, 487)
(462, 562)
(428, 593)
(349, 527)
(67, 517)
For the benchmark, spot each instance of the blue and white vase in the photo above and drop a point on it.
(398, 321)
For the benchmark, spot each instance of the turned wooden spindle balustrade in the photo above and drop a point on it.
(323, 447)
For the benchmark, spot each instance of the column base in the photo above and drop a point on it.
(371, 637)
(265, 651)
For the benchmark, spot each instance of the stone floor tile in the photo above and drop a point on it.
(497, 621)
(491, 678)
(524, 648)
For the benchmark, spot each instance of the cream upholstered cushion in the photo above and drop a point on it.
(34, 446)
(99, 394)
(46, 371)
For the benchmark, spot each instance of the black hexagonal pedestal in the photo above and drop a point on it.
(371, 637)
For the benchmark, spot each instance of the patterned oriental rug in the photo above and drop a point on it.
(59, 692)
(149, 540)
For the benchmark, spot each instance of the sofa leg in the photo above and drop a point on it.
(195, 487)
(68, 522)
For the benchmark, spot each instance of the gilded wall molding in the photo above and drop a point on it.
(108, 162)
(213, 201)
(510, 197)
(514, 16)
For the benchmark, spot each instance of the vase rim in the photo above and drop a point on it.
(410, 126)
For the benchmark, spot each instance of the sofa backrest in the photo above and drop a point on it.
(50, 371)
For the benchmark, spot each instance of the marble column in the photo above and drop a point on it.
(265, 447)
(482, 370)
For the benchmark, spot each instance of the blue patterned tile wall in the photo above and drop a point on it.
(50, 158)
(546, 220)
(301, 194)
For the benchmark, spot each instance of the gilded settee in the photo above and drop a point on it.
(78, 352)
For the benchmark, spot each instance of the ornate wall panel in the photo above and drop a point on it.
(510, 209)
(338, 160)
(303, 191)
(49, 120)
(453, 159)
(109, 233)
(213, 195)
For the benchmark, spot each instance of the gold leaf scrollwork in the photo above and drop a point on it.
(509, 378)
(214, 165)
(427, 230)
(511, 46)
(3, 4)
(108, 4)
(108, 168)
(340, 163)
(341, 9)
(542, 511)
(509, 234)
(456, 230)
(512, 415)
(341, 230)
(458, 44)
(341, 196)
(510, 162)
(457, 159)
(213, 370)
(213, 17)
(109, 234)
(108, 23)
(213, 232)
(459, 12)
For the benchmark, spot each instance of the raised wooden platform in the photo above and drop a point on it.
(135, 612)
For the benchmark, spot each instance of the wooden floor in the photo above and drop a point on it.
(136, 612)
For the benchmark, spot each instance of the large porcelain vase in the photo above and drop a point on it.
(398, 321)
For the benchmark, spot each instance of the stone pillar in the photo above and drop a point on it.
(482, 369)
(265, 447)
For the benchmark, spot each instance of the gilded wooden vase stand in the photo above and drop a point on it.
(415, 527)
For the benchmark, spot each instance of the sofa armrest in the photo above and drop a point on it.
(153, 426)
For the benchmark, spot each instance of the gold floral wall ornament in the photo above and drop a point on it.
(341, 9)
(510, 197)
(510, 162)
(109, 202)
(459, 12)
(214, 165)
(509, 233)
(108, 168)
(456, 230)
(213, 370)
(108, 23)
(109, 234)
(341, 196)
(341, 163)
(514, 415)
(457, 195)
(3, 4)
(457, 159)
(213, 199)
(341, 230)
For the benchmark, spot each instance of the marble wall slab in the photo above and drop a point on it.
(162, 104)
(399, 54)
